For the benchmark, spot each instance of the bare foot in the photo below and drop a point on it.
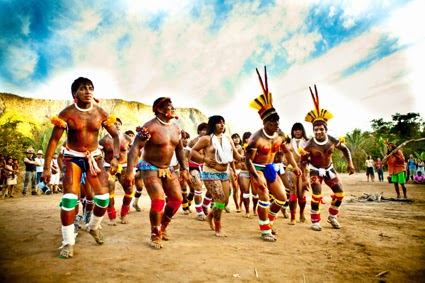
(201, 217)
(210, 221)
(156, 244)
(98, 236)
(220, 234)
(136, 207)
(124, 220)
(274, 231)
(227, 209)
(67, 251)
(247, 215)
(112, 222)
(268, 238)
(292, 222)
(302, 218)
(186, 212)
(165, 236)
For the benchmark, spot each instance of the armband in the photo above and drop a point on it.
(117, 157)
(110, 120)
(301, 151)
(184, 168)
(55, 120)
(341, 139)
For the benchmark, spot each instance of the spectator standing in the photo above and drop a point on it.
(370, 172)
(421, 167)
(55, 174)
(30, 172)
(39, 168)
(380, 169)
(396, 168)
(411, 166)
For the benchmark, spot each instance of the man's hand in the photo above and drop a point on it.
(351, 170)
(114, 166)
(298, 172)
(185, 176)
(128, 178)
(45, 176)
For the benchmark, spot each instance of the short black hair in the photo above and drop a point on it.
(79, 82)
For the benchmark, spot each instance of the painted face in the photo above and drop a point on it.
(272, 124)
(319, 132)
(168, 109)
(85, 93)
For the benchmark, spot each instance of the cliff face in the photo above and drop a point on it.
(35, 113)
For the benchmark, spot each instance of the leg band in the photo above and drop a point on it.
(102, 200)
(245, 195)
(293, 197)
(157, 205)
(69, 201)
(175, 205)
(263, 204)
(68, 237)
(219, 205)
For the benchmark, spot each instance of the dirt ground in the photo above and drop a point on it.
(378, 242)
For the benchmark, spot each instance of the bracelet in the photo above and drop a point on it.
(117, 157)
(187, 169)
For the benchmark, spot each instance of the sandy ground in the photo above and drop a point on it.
(378, 242)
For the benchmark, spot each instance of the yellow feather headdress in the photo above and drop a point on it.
(317, 114)
(264, 102)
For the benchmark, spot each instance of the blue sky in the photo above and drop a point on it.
(364, 56)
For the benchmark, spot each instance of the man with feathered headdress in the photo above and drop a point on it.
(261, 150)
(318, 154)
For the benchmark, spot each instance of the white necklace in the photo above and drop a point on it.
(321, 143)
(162, 122)
(295, 146)
(84, 110)
(268, 136)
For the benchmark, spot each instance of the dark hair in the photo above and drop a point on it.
(202, 126)
(236, 135)
(274, 117)
(298, 126)
(212, 121)
(246, 136)
(159, 102)
(119, 120)
(129, 132)
(185, 135)
(79, 82)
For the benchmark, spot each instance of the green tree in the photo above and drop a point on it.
(13, 142)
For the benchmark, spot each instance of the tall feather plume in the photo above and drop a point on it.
(265, 90)
(315, 99)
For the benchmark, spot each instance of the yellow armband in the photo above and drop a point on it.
(111, 120)
(301, 151)
(55, 120)
(342, 139)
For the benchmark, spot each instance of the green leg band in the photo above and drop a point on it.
(219, 205)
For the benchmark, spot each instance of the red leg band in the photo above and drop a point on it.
(175, 205)
(112, 214)
(125, 209)
(157, 205)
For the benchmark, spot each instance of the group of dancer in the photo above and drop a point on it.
(161, 159)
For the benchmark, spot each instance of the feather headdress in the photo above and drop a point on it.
(264, 102)
(317, 114)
